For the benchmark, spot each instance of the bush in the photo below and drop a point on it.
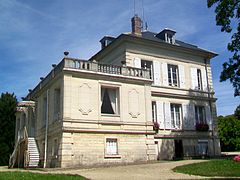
(229, 133)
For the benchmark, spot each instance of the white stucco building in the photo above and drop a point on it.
(144, 96)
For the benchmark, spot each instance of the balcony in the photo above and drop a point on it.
(92, 67)
(106, 68)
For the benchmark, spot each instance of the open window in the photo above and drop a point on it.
(109, 100)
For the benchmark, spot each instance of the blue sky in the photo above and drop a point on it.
(35, 33)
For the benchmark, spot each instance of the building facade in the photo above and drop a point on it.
(144, 96)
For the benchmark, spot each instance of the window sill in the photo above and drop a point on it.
(112, 156)
(111, 115)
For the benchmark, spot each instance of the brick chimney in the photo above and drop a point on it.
(136, 25)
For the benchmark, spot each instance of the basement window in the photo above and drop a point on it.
(111, 146)
(109, 100)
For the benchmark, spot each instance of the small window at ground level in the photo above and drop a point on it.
(202, 148)
(111, 146)
(110, 100)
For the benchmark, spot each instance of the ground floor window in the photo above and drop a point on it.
(203, 147)
(111, 146)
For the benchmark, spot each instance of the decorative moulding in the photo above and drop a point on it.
(84, 99)
(133, 103)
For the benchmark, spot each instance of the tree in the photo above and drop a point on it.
(227, 16)
(237, 112)
(229, 133)
(8, 103)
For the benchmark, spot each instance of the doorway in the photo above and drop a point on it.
(178, 149)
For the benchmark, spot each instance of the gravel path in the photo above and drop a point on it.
(153, 171)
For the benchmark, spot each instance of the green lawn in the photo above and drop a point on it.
(221, 167)
(35, 176)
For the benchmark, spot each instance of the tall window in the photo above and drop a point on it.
(199, 78)
(154, 111)
(111, 146)
(175, 116)
(173, 77)
(56, 103)
(44, 111)
(55, 147)
(147, 65)
(110, 100)
(200, 114)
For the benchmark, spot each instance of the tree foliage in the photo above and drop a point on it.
(227, 16)
(237, 112)
(8, 103)
(229, 133)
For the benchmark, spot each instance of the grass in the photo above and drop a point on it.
(35, 176)
(221, 168)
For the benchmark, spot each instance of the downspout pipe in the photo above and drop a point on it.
(210, 104)
(46, 131)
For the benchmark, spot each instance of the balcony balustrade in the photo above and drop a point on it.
(106, 68)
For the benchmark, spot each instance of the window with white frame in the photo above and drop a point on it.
(199, 79)
(173, 76)
(111, 146)
(202, 147)
(175, 116)
(109, 100)
(200, 115)
(147, 65)
(56, 103)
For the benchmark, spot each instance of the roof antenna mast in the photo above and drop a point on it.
(134, 7)
(143, 17)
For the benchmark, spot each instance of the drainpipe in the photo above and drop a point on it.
(210, 104)
(46, 133)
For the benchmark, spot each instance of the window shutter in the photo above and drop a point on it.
(164, 74)
(156, 69)
(160, 114)
(208, 117)
(181, 76)
(191, 116)
(194, 78)
(185, 116)
(137, 62)
(204, 79)
(167, 115)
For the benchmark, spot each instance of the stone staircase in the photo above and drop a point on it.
(33, 152)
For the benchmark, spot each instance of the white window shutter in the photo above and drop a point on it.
(164, 74)
(194, 78)
(156, 70)
(167, 115)
(204, 79)
(191, 116)
(160, 114)
(137, 62)
(181, 76)
(185, 117)
(208, 117)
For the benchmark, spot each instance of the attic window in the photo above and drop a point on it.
(170, 38)
(167, 35)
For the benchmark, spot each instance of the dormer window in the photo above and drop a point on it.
(106, 40)
(167, 35)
